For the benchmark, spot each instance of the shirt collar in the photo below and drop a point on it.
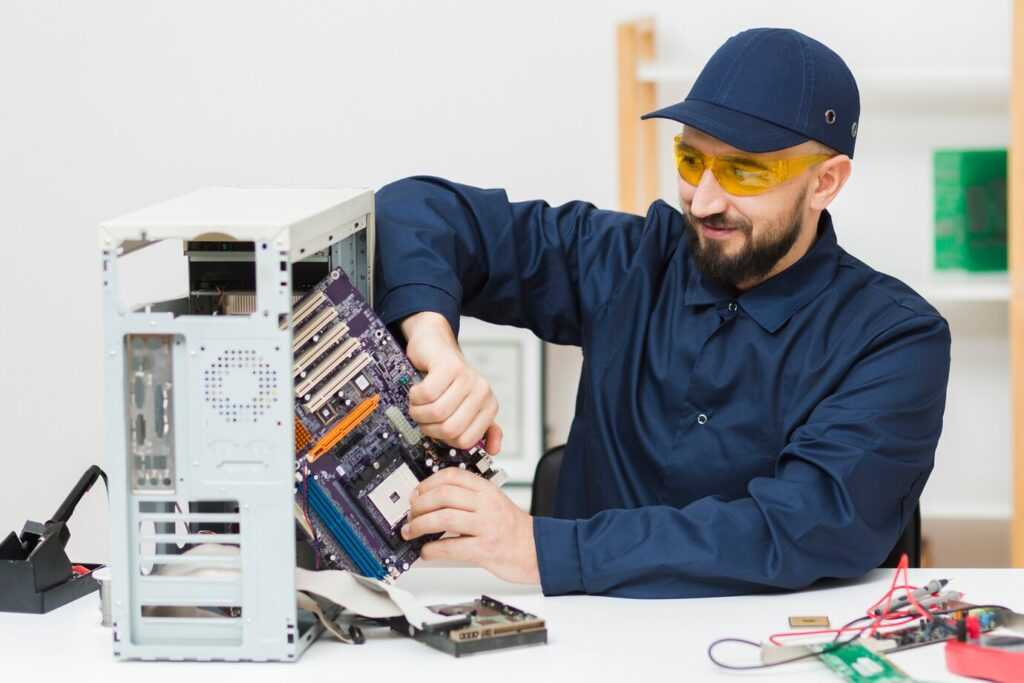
(775, 300)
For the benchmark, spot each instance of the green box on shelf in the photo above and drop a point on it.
(970, 209)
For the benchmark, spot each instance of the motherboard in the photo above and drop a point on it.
(358, 452)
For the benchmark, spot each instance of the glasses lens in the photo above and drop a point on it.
(742, 176)
(739, 175)
(689, 162)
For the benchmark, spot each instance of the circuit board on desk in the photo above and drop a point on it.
(489, 624)
(938, 629)
(358, 452)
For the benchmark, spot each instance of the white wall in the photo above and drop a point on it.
(106, 106)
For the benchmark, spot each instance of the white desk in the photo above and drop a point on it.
(590, 639)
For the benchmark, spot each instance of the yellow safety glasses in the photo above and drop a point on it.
(740, 175)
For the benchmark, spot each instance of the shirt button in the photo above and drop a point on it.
(732, 307)
(702, 418)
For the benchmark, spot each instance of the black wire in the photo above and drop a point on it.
(832, 647)
(188, 529)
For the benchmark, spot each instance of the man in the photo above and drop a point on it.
(758, 409)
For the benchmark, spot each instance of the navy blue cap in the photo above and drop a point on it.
(771, 88)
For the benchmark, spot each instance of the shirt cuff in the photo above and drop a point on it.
(404, 300)
(558, 555)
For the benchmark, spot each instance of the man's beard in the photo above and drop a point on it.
(755, 259)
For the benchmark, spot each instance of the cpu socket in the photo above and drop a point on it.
(391, 498)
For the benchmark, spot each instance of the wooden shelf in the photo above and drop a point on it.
(941, 287)
(968, 511)
(1015, 229)
(976, 89)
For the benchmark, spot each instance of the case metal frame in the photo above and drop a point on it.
(215, 396)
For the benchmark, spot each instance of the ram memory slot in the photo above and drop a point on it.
(337, 381)
(345, 536)
(329, 338)
(352, 419)
(306, 332)
(316, 375)
(303, 308)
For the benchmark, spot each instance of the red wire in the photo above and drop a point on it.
(887, 618)
(893, 621)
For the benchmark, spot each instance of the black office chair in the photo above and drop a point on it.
(545, 489)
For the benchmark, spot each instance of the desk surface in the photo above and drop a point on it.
(592, 639)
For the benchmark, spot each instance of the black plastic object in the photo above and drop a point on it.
(35, 572)
(545, 482)
(909, 543)
(545, 490)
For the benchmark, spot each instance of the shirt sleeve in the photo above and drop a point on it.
(455, 249)
(843, 489)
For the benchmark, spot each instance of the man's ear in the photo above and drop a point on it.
(830, 175)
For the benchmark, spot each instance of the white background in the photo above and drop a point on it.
(108, 106)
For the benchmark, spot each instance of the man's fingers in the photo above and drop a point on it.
(455, 430)
(455, 549)
(434, 384)
(453, 521)
(453, 476)
(437, 411)
(446, 496)
(481, 423)
(493, 439)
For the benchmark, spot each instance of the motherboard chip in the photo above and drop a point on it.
(391, 497)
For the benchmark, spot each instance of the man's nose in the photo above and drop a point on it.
(709, 198)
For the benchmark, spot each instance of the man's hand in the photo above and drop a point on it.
(493, 532)
(453, 403)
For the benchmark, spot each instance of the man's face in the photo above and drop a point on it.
(740, 239)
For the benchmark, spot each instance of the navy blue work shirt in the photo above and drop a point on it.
(723, 442)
